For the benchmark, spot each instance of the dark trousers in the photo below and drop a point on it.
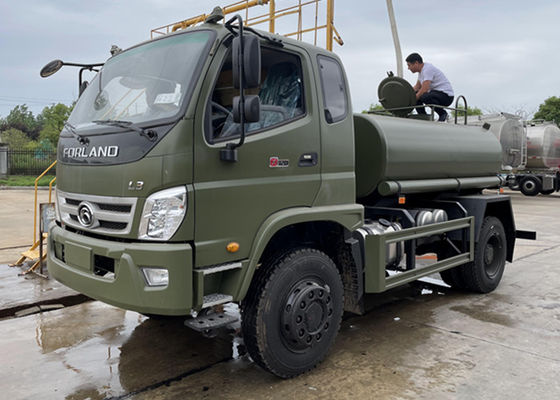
(435, 97)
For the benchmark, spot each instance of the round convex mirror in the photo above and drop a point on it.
(51, 68)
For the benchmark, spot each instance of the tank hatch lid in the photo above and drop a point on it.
(396, 92)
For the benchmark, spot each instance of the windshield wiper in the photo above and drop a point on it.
(70, 128)
(150, 134)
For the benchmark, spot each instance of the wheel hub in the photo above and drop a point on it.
(307, 314)
(489, 254)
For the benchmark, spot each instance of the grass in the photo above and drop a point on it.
(25, 180)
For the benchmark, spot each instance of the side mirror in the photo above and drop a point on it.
(252, 109)
(51, 68)
(251, 61)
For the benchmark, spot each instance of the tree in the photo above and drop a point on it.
(22, 119)
(374, 107)
(53, 119)
(470, 111)
(549, 110)
(15, 138)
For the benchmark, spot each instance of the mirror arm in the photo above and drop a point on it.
(80, 80)
(89, 67)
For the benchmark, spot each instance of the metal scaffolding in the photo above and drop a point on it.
(299, 10)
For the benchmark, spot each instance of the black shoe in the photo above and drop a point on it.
(442, 116)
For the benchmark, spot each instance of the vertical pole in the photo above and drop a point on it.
(316, 18)
(330, 19)
(272, 22)
(396, 41)
(299, 35)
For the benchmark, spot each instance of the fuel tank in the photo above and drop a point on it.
(399, 155)
(543, 145)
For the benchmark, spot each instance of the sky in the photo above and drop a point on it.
(501, 55)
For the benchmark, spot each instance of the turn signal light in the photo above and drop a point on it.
(232, 247)
(402, 199)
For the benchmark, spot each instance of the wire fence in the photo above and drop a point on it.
(28, 162)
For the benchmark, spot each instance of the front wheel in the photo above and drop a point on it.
(484, 274)
(292, 312)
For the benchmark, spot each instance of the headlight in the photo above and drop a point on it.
(162, 214)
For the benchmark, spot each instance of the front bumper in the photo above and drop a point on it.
(76, 257)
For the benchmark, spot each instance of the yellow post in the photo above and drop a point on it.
(330, 19)
(50, 188)
(35, 209)
(271, 24)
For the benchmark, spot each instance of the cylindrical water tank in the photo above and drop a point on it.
(509, 130)
(422, 156)
(543, 145)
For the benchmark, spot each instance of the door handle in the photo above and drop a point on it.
(308, 160)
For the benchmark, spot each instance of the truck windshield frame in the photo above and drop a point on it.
(149, 84)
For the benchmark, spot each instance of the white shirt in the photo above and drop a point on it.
(438, 79)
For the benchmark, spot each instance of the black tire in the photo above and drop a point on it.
(530, 185)
(547, 192)
(453, 277)
(483, 275)
(292, 312)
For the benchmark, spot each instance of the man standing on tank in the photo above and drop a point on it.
(432, 86)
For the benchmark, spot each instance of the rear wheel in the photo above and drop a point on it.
(530, 185)
(485, 272)
(292, 312)
(453, 277)
(547, 192)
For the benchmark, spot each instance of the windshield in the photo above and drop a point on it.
(146, 83)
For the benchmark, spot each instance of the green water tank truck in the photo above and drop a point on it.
(221, 164)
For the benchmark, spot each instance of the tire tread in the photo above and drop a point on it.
(253, 306)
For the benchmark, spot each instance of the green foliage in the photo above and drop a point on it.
(22, 119)
(374, 107)
(15, 138)
(470, 111)
(25, 180)
(53, 118)
(549, 110)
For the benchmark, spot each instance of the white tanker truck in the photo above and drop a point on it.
(530, 152)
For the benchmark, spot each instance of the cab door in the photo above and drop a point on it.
(279, 165)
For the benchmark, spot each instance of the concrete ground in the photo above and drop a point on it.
(430, 344)
(16, 221)
(18, 293)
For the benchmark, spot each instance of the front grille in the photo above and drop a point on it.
(112, 225)
(115, 207)
(111, 215)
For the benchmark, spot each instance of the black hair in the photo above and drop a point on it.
(414, 57)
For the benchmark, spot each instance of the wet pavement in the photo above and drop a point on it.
(24, 293)
(430, 343)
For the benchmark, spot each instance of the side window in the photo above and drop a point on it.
(334, 89)
(281, 93)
